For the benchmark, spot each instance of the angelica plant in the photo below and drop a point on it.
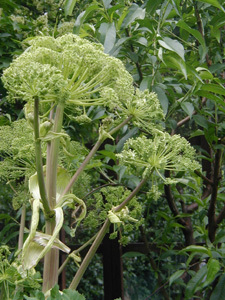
(57, 75)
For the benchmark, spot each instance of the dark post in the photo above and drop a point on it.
(112, 269)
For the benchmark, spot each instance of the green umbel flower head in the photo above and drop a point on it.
(162, 152)
(68, 69)
(145, 109)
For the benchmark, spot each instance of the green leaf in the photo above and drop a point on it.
(213, 267)
(54, 293)
(69, 6)
(120, 170)
(219, 290)
(214, 3)
(197, 249)
(175, 276)
(172, 45)
(197, 132)
(72, 294)
(175, 62)
(217, 89)
(108, 36)
(133, 254)
(38, 295)
(195, 283)
(108, 154)
(83, 16)
(5, 230)
(204, 73)
(134, 12)
(193, 32)
(188, 107)
(146, 83)
(107, 3)
(218, 99)
(127, 136)
(162, 98)
(201, 121)
(152, 6)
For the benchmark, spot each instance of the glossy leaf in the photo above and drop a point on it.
(108, 36)
(175, 276)
(134, 12)
(197, 249)
(219, 290)
(213, 267)
(107, 3)
(152, 5)
(195, 283)
(172, 45)
(194, 32)
(69, 6)
(214, 3)
(188, 108)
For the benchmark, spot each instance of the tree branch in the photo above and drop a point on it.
(187, 228)
(153, 265)
(212, 205)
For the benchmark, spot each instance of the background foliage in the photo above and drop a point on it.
(176, 49)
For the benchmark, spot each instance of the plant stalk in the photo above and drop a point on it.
(51, 260)
(22, 226)
(90, 155)
(100, 236)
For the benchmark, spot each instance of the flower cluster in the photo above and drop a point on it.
(101, 206)
(69, 69)
(145, 109)
(162, 152)
(17, 151)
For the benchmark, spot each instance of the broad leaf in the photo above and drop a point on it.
(193, 32)
(219, 290)
(108, 36)
(175, 276)
(214, 3)
(188, 108)
(197, 249)
(172, 45)
(69, 6)
(195, 283)
(134, 12)
(213, 267)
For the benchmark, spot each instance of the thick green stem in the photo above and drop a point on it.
(90, 155)
(51, 260)
(99, 238)
(52, 159)
(39, 163)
